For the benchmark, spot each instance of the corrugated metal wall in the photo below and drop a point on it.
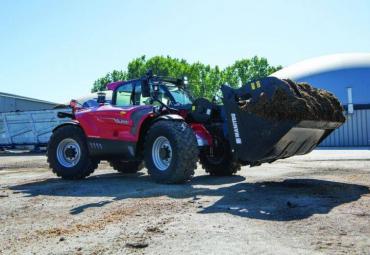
(355, 132)
(10, 104)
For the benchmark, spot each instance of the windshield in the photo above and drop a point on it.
(180, 95)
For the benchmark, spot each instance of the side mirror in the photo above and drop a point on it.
(101, 98)
(145, 88)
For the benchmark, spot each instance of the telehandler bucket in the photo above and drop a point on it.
(269, 120)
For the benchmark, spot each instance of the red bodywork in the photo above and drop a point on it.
(113, 123)
(124, 124)
(112, 130)
(202, 132)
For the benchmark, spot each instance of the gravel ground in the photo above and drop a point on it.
(313, 204)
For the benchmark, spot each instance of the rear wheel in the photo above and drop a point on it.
(126, 167)
(220, 161)
(68, 155)
(171, 152)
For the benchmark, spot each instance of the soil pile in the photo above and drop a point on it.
(303, 103)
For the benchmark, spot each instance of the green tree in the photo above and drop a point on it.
(247, 70)
(204, 80)
(101, 83)
(136, 68)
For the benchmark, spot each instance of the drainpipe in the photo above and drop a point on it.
(349, 99)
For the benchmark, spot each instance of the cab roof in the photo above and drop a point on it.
(114, 85)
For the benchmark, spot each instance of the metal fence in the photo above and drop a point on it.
(28, 128)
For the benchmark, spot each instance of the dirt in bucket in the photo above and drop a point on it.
(303, 103)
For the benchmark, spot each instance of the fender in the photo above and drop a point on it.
(149, 120)
(204, 138)
(70, 122)
(175, 117)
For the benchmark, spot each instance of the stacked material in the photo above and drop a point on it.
(296, 101)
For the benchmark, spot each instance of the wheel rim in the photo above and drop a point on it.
(68, 152)
(162, 153)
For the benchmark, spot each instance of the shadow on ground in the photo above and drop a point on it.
(291, 199)
(21, 153)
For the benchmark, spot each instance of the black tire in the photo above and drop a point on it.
(83, 167)
(126, 167)
(184, 153)
(222, 163)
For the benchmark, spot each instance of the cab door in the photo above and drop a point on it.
(112, 121)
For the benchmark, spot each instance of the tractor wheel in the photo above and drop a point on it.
(126, 167)
(221, 161)
(171, 152)
(68, 155)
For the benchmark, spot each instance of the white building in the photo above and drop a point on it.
(348, 77)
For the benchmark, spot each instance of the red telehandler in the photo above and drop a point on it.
(154, 121)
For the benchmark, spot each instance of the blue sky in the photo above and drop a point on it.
(54, 50)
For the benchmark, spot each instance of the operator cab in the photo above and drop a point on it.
(168, 91)
(165, 92)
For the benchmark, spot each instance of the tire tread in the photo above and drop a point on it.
(188, 156)
(67, 131)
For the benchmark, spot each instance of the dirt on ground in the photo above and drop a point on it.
(296, 101)
(313, 204)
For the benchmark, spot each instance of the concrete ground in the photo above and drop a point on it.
(313, 204)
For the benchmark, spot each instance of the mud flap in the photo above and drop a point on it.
(257, 140)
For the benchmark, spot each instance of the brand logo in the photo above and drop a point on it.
(115, 120)
(121, 121)
(238, 140)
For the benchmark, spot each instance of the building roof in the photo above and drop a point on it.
(335, 73)
(323, 64)
(2, 94)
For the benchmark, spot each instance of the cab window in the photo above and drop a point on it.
(123, 97)
(162, 96)
(180, 96)
(140, 100)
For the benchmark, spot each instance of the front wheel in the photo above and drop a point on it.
(220, 161)
(171, 152)
(68, 154)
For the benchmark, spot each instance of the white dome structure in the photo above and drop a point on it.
(322, 64)
(348, 77)
(334, 73)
